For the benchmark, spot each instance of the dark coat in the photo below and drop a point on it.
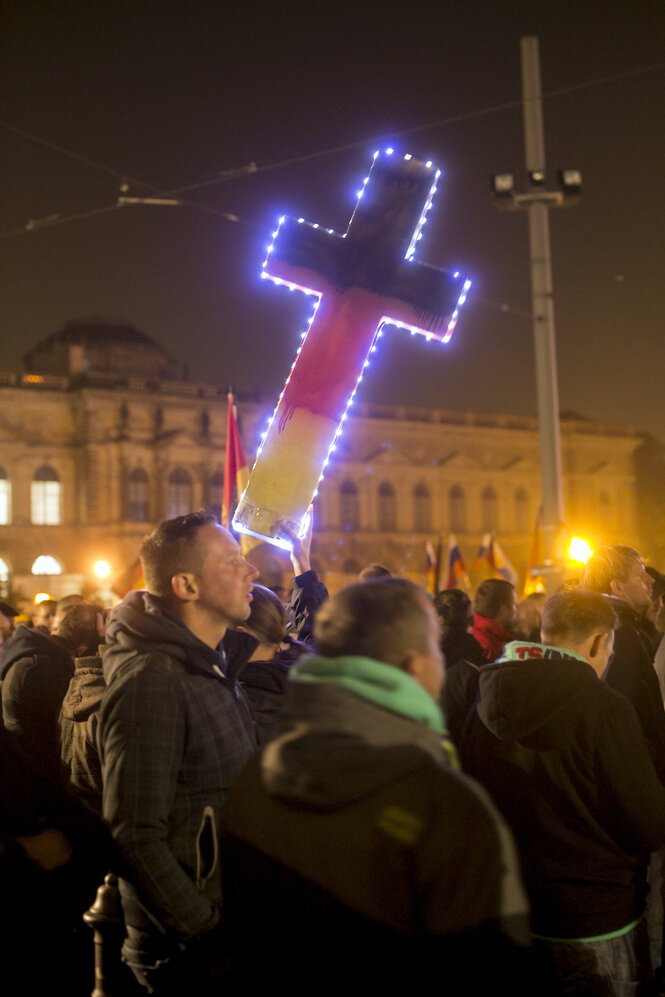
(463, 656)
(308, 594)
(351, 845)
(82, 770)
(264, 683)
(564, 758)
(35, 672)
(174, 732)
(631, 673)
(44, 943)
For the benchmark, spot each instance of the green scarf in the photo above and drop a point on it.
(384, 685)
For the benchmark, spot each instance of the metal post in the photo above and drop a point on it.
(543, 307)
(112, 978)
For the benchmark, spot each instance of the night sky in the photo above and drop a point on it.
(170, 95)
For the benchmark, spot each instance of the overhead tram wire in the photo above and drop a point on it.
(253, 169)
(117, 174)
(453, 119)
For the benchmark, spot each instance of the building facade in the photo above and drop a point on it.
(102, 437)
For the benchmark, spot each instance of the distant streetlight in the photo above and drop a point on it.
(579, 550)
(102, 569)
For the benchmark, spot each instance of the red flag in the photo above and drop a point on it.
(131, 578)
(236, 471)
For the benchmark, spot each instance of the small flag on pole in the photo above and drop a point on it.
(433, 562)
(534, 582)
(485, 553)
(236, 474)
(502, 564)
(456, 566)
(236, 471)
(491, 552)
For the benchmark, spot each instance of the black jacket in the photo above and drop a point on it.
(35, 672)
(308, 594)
(631, 673)
(565, 760)
(351, 849)
(464, 656)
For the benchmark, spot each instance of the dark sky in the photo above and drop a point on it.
(172, 94)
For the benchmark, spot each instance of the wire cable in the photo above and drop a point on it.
(253, 169)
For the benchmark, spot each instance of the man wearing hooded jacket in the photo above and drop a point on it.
(353, 849)
(174, 732)
(619, 573)
(564, 758)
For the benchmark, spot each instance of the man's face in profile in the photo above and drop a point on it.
(6, 627)
(44, 615)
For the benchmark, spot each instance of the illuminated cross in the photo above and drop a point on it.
(363, 280)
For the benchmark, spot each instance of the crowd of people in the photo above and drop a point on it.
(375, 789)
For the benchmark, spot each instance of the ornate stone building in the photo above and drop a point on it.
(103, 436)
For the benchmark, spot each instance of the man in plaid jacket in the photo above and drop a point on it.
(174, 733)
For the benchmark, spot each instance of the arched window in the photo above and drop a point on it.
(178, 493)
(522, 524)
(45, 493)
(490, 510)
(457, 509)
(137, 496)
(216, 493)
(5, 576)
(5, 498)
(46, 565)
(387, 508)
(349, 507)
(422, 509)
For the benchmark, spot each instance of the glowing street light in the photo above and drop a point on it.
(579, 550)
(102, 569)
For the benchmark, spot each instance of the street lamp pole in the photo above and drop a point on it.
(537, 201)
(542, 302)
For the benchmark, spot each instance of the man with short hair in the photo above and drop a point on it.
(529, 613)
(564, 758)
(174, 733)
(7, 617)
(495, 616)
(619, 573)
(374, 571)
(352, 846)
(63, 606)
(44, 615)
